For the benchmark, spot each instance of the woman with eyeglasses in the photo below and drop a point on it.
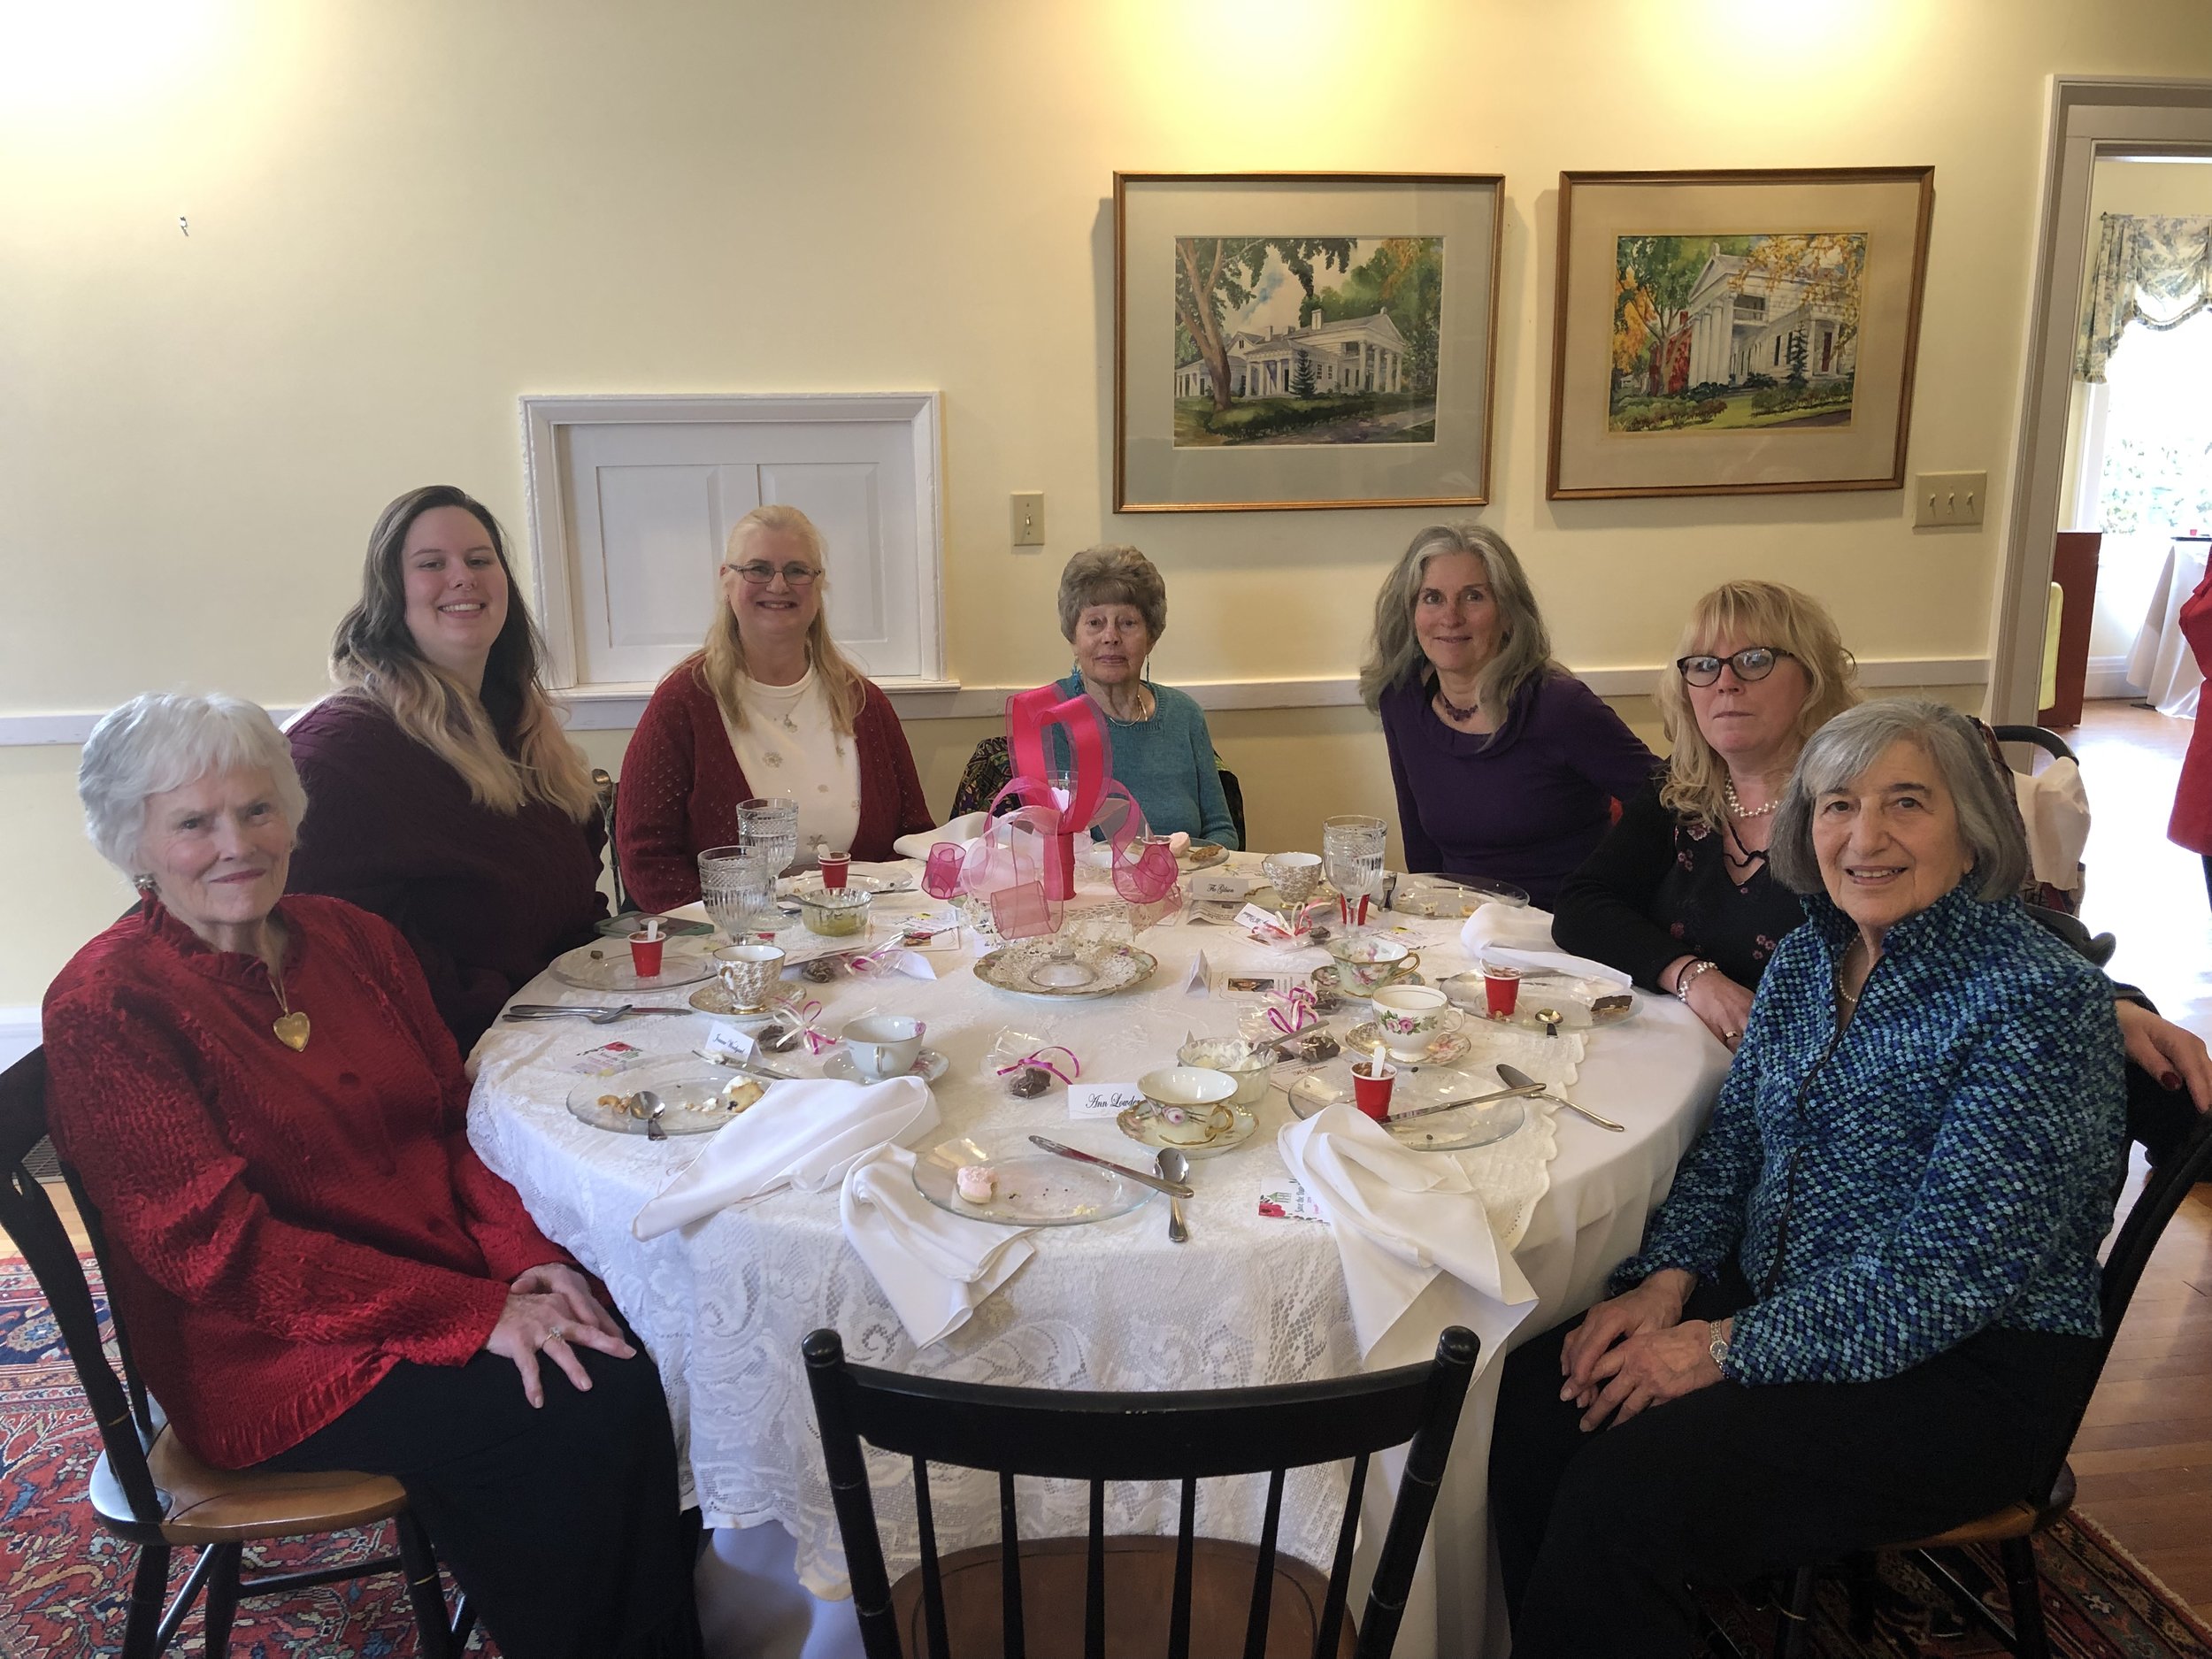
(770, 707)
(1679, 894)
(1506, 765)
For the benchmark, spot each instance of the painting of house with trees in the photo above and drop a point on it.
(1270, 350)
(1714, 332)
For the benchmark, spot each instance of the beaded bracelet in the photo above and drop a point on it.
(1684, 980)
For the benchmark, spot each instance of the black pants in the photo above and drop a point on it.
(1600, 1535)
(561, 1523)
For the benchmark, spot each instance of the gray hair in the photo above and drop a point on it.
(1112, 574)
(163, 740)
(1988, 812)
(1395, 656)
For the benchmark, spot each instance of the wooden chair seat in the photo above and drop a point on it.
(1140, 1584)
(2014, 1520)
(201, 1504)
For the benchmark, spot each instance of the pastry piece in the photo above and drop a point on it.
(821, 970)
(1029, 1082)
(1312, 1046)
(741, 1091)
(977, 1183)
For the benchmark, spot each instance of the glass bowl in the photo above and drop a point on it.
(835, 913)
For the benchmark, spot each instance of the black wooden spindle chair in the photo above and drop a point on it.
(146, 1487)
(2013, 1528)
(1117, 1583)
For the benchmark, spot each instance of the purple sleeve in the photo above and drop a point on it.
(1597, 743)
(1421, 852)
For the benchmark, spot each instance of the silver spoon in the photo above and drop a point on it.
(652, 1105)
(1522, 1079)
(1173, 1165)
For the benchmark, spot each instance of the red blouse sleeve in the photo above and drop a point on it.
(126, 1112)
(660, 867)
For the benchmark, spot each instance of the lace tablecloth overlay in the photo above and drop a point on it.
(724, 1304)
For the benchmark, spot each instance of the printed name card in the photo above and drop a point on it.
(1209, 888)
(1199, 980)
(1102, 1100)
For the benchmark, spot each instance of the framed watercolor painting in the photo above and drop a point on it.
(1303, 340)
(1736, 333)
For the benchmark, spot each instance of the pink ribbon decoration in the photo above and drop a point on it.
(1028, 714)
(940, 874)
(802, 1016)
(1296, 1012)
(1038, 1060)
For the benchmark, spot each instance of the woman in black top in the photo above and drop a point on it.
(1679, 895)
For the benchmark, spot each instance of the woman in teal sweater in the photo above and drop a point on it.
(1113, 608)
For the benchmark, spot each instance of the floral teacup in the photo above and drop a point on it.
(1366, 962)
(1412, 1017)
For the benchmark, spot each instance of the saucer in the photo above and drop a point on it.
(607, 968)
(715, 999)
(929, 1065)
(1142, 1125)
(1326, 977)
(1443, 1050)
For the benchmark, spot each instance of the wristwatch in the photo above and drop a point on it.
(1717, 1345)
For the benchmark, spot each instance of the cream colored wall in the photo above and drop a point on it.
(404, 214)
(2124, 585)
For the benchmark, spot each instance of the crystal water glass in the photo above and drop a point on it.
(1352, 855)
(770, 824)
(738, 885)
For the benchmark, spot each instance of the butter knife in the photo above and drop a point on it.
(1518, 1077)
(1173, 1189)
(1472, 1100)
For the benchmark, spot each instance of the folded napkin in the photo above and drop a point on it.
(805, 1134)
(960, 832)
(1401, 1218)
(935, 1267)
(2056, 808)
(1522, 939)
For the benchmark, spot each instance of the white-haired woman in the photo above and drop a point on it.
(1506, 765)
(1867, 1310)
(443, 794)
(269, 1117)
(770, 707)
(1113, 608)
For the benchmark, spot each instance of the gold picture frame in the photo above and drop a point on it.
(1348, 321)
(1736, 332)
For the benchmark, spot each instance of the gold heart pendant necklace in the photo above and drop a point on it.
(290, 1026)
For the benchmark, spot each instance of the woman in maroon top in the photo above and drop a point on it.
(269, 1118)
(442, 794)
(770, 707)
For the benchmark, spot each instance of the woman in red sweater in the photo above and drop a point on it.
(269, 1118)
(770, 707)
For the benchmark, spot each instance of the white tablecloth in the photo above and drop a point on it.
(2161, 662)
(724, 1306)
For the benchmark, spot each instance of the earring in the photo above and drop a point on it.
(145, 884)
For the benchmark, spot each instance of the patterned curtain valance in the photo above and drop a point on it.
(2156, 271)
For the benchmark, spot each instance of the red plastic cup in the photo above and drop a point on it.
(1500, 989)
(834, 869)
(1371, 1083)
(645, 955)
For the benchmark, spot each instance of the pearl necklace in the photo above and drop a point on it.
(1736, 808)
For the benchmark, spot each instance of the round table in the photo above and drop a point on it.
(724, 1304)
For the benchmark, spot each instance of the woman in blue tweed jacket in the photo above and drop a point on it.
(1868, 1310)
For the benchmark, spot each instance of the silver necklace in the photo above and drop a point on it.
(1736, 807)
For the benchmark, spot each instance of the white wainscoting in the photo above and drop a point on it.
(2107, 676)
(19, 1034)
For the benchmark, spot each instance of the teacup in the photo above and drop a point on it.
(748, 972)
(883, 1045)
(1188, 1104)
(1294, 876)
(1412, 1017)
(1366, 962)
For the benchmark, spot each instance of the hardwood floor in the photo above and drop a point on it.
(2144, 1455)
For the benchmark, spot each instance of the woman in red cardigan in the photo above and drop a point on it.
(270, 1118)
(770, 707)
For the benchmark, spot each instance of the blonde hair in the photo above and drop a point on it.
(1753, 613)
(506, 742)
(720, 667)
(1395, 656)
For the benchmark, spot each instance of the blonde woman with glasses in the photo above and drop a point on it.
(770, 707)
(444, 795)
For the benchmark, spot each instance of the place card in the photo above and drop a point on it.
(1294, 1204)
(606, 1059)
(1255, 984)
(1200, 980)
(1102, 1100)
(1211, 888)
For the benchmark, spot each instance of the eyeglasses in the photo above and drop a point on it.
(1754, 662)
(760, 573)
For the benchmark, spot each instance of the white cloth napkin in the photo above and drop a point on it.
(2055, 808)
(806, 1133)
(935, 1267)
(960, 832)
(1401, 1218)
(1522, 939)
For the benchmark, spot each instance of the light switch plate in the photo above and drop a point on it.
(1029, 519)
(1942, 499)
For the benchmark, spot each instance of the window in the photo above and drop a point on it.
(632, 500)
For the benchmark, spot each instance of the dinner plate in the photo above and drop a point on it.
(1452, 896)
(1033, 1189)
(1061, 969)
(672, 926)
(1580, 1003)
(607, 968)
(929, 1065)
(1330, 1081)
(693, 1093)
(1143, 1124)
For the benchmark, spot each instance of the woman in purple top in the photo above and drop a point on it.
(1506, 764)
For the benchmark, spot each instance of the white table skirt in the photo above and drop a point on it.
(2161, 662)
(724, 1305)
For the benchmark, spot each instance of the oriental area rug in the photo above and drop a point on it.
(64, 1583)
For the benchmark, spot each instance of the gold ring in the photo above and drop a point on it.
(1735, 1036)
